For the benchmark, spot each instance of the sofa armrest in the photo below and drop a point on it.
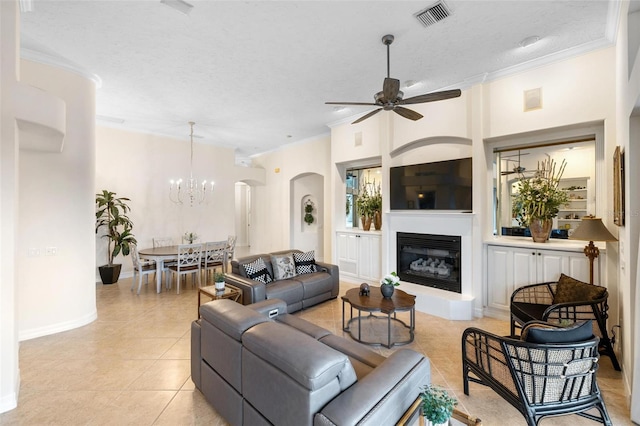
(252, 291)
(335, 276)
(270, 307)
(383, 395)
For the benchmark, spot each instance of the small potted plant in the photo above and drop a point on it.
(190, 237)
(111, 214)
(388, 283)
(437, 406)
(218, 278)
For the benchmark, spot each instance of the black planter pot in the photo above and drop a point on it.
(109, 274)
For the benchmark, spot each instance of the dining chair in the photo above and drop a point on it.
(231, 248)
(165, 242)
(189, 262)
(215, 255)
(141, 268)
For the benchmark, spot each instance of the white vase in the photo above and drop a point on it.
(220, 285)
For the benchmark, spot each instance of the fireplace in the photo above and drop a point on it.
(429, 260)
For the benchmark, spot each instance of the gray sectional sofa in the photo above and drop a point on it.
(258, 365)
(299, 292)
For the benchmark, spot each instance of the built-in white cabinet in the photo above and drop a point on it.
(358, 255)
(509, 268)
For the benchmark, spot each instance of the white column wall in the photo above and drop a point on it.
(9, 44)
(56, 205)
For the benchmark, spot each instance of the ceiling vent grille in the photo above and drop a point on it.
(434, 13)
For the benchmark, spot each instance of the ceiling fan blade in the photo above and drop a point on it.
(407, 113)
(351, 103)
(364, 117)
(432, 97)
(390, 89)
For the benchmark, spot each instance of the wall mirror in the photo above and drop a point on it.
(355, 179)
(579, 179)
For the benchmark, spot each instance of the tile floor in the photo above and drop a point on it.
(131, 366)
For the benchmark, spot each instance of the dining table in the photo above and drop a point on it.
(160, 255)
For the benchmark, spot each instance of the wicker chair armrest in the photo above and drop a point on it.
(541, 294)
(486, 356)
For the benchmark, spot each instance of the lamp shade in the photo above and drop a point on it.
(592, 229)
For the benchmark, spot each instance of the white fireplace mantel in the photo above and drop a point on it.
(445, 304)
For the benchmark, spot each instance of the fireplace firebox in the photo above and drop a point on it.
(429, 260)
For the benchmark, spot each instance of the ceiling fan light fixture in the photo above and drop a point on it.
(528, 41)
(179, 5)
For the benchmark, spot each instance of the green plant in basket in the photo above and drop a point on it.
(437, 405)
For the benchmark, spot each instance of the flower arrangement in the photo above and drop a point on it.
(190, 236)
(540, 197)
(391, 279)
(437, 405)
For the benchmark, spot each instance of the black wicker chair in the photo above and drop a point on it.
(539, 380)
(535, 302)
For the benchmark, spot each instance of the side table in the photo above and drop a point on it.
(368, 327)
(229, 292)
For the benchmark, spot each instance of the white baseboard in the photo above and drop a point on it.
(9, 402)
(57, 328)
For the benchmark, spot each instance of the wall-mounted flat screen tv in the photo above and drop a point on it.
(443, 185)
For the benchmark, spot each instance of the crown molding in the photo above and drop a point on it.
(56, 61)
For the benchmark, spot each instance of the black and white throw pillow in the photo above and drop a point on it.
(257, 270)
(305, 262)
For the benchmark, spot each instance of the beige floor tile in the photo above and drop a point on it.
(190, 408)
(164, 374)
(132, 365)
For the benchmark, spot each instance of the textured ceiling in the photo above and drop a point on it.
(255, 75)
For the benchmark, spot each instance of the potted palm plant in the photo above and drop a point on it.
(111, 214)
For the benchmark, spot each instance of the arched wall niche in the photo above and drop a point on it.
(303, 188)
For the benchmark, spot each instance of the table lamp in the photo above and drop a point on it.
(592, 229)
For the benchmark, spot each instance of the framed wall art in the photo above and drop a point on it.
(618, 187)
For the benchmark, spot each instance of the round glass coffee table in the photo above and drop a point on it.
(386, 330)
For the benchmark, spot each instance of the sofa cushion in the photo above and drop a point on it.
(305, 262)
(306, 327)
(571, 290)
(283, 266)
(540, 332)
(288, 290)
(304, 359)
(315, 284)
(237, 265)
(257, 270)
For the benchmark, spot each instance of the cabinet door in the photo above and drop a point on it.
(524, 267)
(551, 264)
(499, 273)
(578, 268)
(347, 247)
(369, 257)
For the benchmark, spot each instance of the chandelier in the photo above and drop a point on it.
(192, 190)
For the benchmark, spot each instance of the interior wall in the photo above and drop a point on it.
(151, 161)
(57, 214)
(271, 208)
(243, 214)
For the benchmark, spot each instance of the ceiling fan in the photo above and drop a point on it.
(390, 98)
(517, 169)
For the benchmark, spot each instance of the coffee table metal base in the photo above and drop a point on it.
(368, 328)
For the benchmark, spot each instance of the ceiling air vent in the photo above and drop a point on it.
(434, 13)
